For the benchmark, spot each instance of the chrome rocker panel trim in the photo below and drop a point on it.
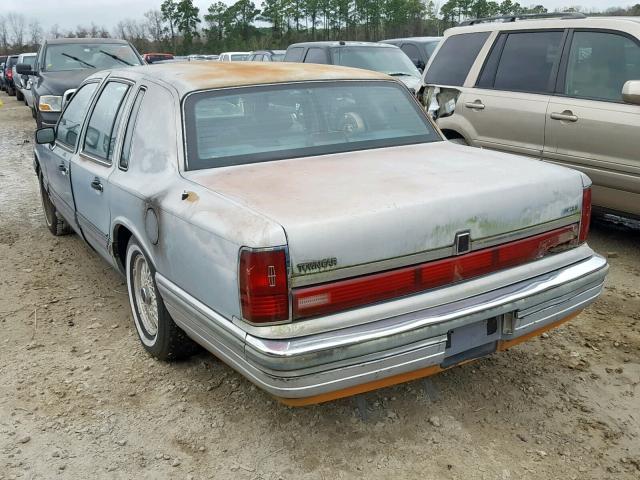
(307, 366)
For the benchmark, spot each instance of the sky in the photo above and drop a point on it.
(69, 13)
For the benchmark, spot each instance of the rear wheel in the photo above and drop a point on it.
(55, 223)
(157, 331)
(11, 91)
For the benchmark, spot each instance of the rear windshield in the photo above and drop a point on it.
(29, 60)
(391, 61)
(239, 57)
(78, 56)
(258, 124)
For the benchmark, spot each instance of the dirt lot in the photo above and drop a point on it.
(79, 397)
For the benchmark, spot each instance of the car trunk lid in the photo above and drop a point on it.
(359, 208)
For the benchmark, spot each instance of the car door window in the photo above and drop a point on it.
(599, 65)
(316, 55)
(131, 125)
(412, 52)
(68, 129)
(99, 139)
(528, 61)
(294, 54)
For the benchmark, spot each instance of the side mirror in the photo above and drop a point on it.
(45, 135)
(631, 92)
(25, 69)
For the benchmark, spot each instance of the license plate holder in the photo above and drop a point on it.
(468, 342)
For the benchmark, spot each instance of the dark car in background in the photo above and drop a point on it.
(267, 56)
(3, 59)
(9, 85)
(379, 57)
(62, 64)
(157, 57)
(418, 49)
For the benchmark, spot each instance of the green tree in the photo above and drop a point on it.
(169, 10)
(215, 19)
(187, 23)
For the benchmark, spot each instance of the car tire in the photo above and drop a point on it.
(57, 225)
(19, 96)
(157, 331)
(33, 112)
(11, 91)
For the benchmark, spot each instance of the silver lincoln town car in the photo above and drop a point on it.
(310, 226)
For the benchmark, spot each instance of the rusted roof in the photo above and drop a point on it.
(190, 76)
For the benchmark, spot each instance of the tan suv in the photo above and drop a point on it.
(563, 89)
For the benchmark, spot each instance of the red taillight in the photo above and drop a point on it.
(341, 295)
(9, 74)
(264, 293)
(585, 219)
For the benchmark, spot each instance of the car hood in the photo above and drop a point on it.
(412, 83)
(373, 205)
(56, 83)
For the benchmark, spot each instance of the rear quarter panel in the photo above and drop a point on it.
(200, 235)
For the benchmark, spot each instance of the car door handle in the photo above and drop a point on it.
(63, 169)
(477, 105)
(566, 116)
(96, 185)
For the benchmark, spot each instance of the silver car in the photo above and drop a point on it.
(309, 225)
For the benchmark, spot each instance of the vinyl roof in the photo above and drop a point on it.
(202, 75)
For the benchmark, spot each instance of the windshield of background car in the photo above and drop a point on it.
(430, 47)
(265, 123)
(239, 58)
(381, 59)
(78, 56)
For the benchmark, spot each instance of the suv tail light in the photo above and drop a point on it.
(264, 290)
(585, 219)
(9, 73)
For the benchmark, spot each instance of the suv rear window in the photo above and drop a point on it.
(455, 58)
(264, 123)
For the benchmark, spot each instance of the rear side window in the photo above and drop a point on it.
(294, 54)
(316, 55)
(455, 58)
(103, 124)
(131, 125)
(528, 61)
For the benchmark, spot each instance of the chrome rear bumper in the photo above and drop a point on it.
(441, 335)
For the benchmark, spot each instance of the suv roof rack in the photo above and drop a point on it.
(531, 16)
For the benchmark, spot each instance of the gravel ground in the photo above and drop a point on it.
(79, 397)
